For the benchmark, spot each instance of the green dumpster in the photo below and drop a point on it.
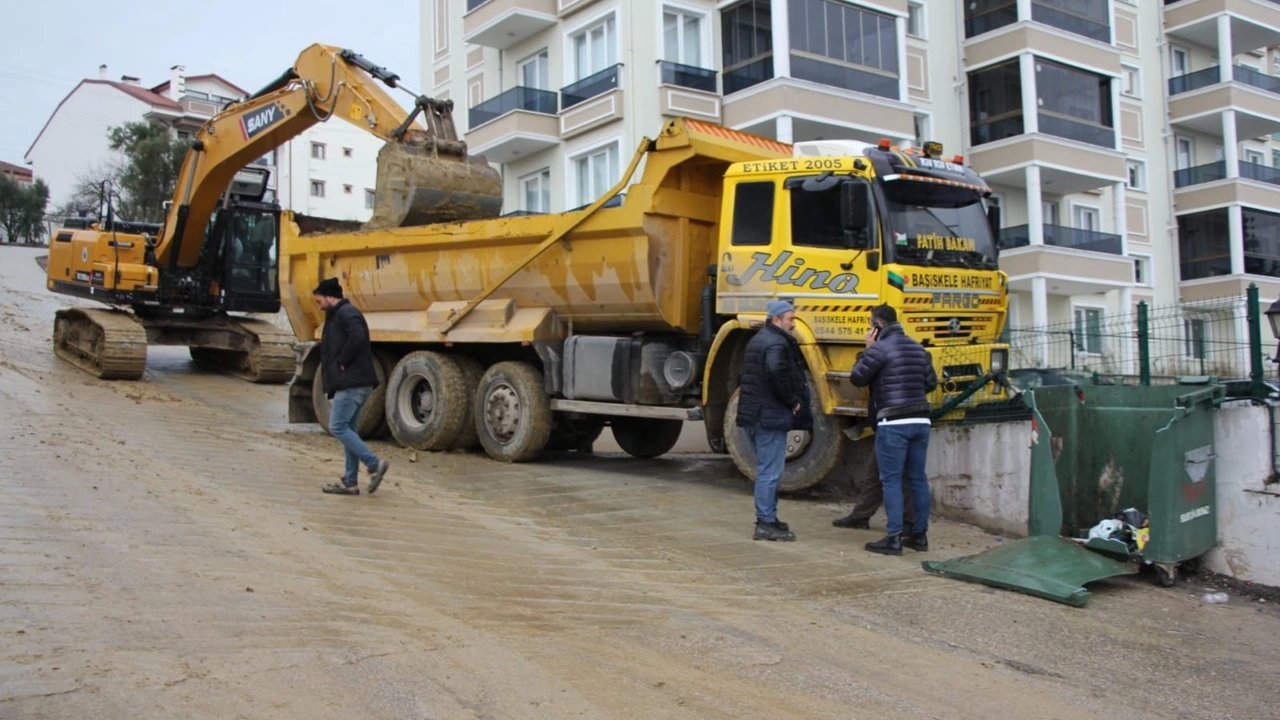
(1097, 450)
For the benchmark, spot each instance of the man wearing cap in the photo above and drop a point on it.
(772, 400)
(346, 364)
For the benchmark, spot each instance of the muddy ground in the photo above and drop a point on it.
(165, 553)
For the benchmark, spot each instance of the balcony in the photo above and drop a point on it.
(517, 123)
(1206, 187)
(590, 86)
(1253, 24)
(591, 102)
(503, 23)
(1074, 261)
(984, 16)
(1198, 99)
(1045, 42)
(685, 90)
(818, 112)
(1065, 167)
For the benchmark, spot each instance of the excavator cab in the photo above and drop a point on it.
(250, 232)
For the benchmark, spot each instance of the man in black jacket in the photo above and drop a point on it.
(900, 373)
(346, 365)
(773, 399)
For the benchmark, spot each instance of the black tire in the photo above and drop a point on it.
(513, 413)
(472, 371)
(1166, 576)
(426, 401)
(646, 437)
(575, 433)
(371, 418)
(810, 456)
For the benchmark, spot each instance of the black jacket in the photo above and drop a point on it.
(900, 373)
(773, 383)
(346, 357)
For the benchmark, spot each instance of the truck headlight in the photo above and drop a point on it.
(999, 360)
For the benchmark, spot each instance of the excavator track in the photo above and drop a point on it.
(107, 343)
(268, 356)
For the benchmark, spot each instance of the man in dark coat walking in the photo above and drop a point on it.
(346, 365)
(900, 373)
(773, 399)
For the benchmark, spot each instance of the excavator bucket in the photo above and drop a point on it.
(419, 185)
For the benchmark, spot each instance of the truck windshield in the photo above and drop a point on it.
(936, 235)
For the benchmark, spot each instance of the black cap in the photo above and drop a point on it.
(328, 287)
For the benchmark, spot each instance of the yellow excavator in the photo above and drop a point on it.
(187, 281)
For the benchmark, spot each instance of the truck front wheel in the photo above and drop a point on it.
(512, 411)
(427, 401)
(811, 456)
(645, 437)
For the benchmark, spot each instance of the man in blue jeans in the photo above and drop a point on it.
(773, 399)
(900, 373)
(346, 364)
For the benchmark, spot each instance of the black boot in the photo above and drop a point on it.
(772, 531)
(918, 542)
(849, 521)
(887, 545)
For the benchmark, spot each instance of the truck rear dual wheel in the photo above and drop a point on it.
(371, 421)
(512, 411)
(428, 402)
(646, 437)
(811, 456)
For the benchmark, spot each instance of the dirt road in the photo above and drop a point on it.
(165, 553)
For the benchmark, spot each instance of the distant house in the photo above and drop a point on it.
(328, 171)
(17, 173)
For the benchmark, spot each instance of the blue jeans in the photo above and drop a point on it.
(346, 406)
(901, 451)
(771, 457)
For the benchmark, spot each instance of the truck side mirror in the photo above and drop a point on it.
(855, 206)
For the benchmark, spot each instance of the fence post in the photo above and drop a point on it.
(1144, 345)
(1256, 387)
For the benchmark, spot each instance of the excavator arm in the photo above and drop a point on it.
(424, 174)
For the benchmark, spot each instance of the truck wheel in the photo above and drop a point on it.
(426, 402)
(646, 437)
(472, 371)
(811, 456)
(575, 433)
(371, 418)
(513, 414)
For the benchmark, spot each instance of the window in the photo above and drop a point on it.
(1193, 333)
(1275, 158)
(923, 128)
(995, 103)
(915, 19)
(370, 198)
(681, 37)
(536, 191)
(1074, 104)
(983, 16)
(1132, 81)
(535, 71)
(1088, 330)
(747, 36)
(347, 152)
(594, 48)
(317, 150)
(317, 188)
(753, 213)
(1085, 218)
(597, 171)
(844, 46)
(1137, 179)
(346, 189)
(1141, 270)
(1203, 249)
(1179, 61)
(1184, 151)
(1049, 212)
(815, 216)
(1255, 156)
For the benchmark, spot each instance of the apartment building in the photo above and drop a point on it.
(1128, 144)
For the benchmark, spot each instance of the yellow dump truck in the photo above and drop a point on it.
(533, 332)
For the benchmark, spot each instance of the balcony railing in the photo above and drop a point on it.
(744, 76)
(1262, 81)
(687, 76)
(1071, 22)
(985, 131)
(589, 87)
(1079, 130)
(1064, 237)
(983, 17)
(1200, 174)
(517, 98)
(1194, 80)
(1259, 172)
(846, 77)
(473, 4)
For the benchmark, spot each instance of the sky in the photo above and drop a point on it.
(48, 46)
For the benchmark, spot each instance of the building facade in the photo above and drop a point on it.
(1128, 144)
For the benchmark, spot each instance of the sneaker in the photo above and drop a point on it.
(339, 489)
(918, 542)
(849, 521)
(771, 531)
(887, 545)
(375, 475)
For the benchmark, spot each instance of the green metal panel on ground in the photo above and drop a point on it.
(1053, 568)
